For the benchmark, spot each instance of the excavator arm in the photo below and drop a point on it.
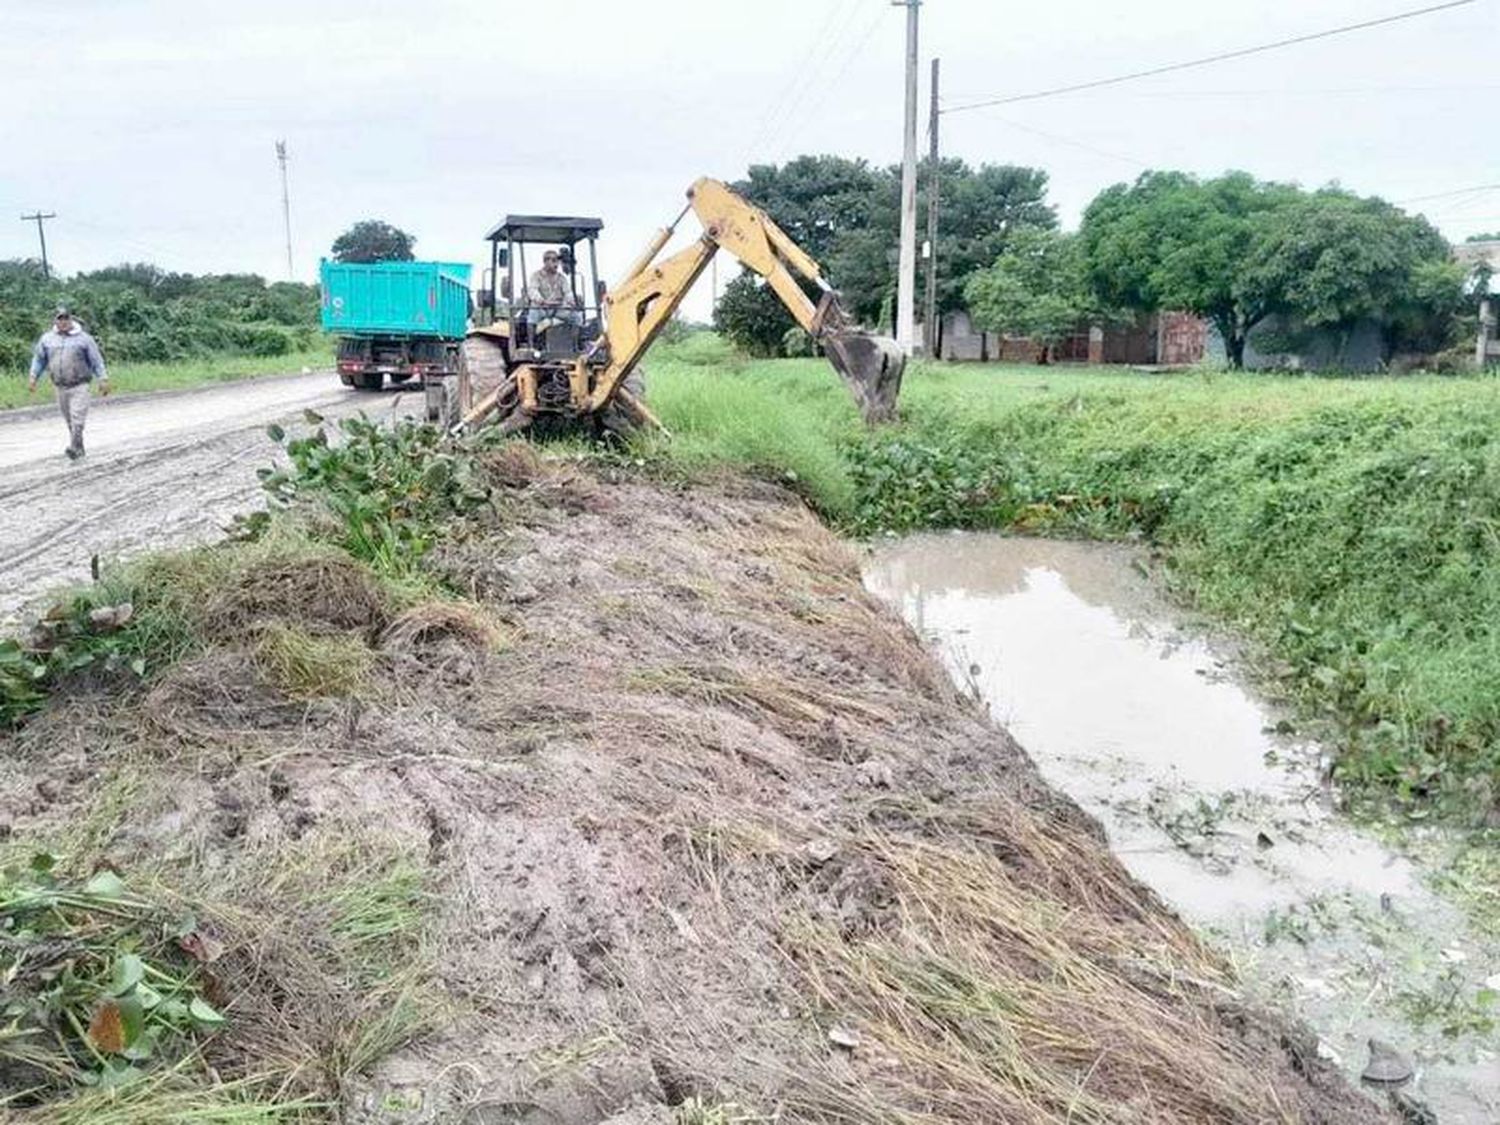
(641, 305)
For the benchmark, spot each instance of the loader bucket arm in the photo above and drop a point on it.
(871, 366)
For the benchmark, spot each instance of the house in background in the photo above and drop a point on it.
(1169, 339)
(1485, 252)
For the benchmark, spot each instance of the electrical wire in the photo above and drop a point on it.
(804, 72)
(797, 125)
(1070, 142)
(1208, 59)
(1448, 194)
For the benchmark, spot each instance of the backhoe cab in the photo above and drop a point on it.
(560, 361)
(518, 248)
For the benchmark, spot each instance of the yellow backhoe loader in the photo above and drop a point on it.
(560, 352)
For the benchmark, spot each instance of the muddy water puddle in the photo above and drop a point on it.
(1209, 797)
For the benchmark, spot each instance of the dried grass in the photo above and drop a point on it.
(308, 666)
(710, 801)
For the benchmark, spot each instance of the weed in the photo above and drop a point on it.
(393, 490)
(100, 982)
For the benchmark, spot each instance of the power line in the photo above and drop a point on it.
(1300, 91)
(833, 76)
(1070, 142)
(825, 39)
(1208, 59)
(1448, 194)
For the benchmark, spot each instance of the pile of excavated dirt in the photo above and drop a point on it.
(696, 830)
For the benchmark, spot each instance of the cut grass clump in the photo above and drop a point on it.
(995, 1001)
(144, 617)
(309, 666)
(102, 984)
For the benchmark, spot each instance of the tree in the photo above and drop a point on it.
(843, 213)
(846, 214)
(979, 211)
(752, 317)
(1035, 288)
(1237, 250)
(1330, 260)
(371, 240)
(1171, 241)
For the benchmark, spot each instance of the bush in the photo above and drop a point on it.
(138, 312)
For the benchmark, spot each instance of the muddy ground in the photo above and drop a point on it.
(164, 469)
(699, 831)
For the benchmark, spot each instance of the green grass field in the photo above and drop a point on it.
(1352, 526)
(126, 378)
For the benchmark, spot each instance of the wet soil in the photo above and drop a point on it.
(164, 469)
(1209, 797)
(707, 831)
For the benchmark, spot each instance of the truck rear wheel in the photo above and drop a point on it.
(369, 380)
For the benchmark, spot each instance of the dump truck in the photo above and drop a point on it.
(539, 362)
(398, 321)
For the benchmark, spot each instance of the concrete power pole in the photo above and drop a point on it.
(930, 331)
(40, 217)
(1486, 333)
(286, 208)
(907, 266)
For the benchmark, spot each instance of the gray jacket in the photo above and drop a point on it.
(68, 360)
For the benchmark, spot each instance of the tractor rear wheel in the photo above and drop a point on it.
(614, 420)
(486, 364)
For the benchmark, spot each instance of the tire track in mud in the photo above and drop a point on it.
(56, 517)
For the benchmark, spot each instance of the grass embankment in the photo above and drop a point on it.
(129, 378)
(1351, 526)
(620, 798)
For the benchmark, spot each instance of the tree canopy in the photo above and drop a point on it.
(141, 312)
(846, 214)
(1237, 250)
(373, 240)
(1035, 288)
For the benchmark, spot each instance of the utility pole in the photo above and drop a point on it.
(40, 217)
(907, 266)
(930, 321)
(1486, 333)
(286, 208)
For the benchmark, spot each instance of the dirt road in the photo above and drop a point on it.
(166, 468)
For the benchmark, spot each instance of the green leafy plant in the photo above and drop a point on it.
(393, 490)
(101, 983)
(76, 634)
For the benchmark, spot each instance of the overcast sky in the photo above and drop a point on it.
(149, 126)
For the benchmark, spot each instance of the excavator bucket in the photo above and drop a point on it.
(871, 366)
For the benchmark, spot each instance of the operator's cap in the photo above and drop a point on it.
(62, 311)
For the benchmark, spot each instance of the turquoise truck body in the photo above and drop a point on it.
(409, 299)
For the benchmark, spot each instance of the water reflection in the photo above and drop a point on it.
(1144, 724)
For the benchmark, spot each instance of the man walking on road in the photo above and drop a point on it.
(71, 359)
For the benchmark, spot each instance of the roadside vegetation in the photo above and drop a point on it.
(160, 329)
(1348, 525)
(132, 378)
